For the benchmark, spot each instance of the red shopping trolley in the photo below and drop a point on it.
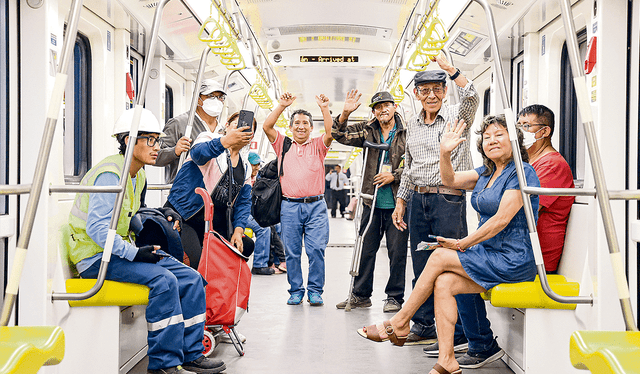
(229, 279)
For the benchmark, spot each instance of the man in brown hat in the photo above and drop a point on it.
(435, 209)
(387, 126)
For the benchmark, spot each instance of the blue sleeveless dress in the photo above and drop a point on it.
(508, 256)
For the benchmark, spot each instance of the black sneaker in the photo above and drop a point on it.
(472, 360)
(459, 347)
(174, 370)
(414, 339)
(262, 271)
(356, 302)
(205, 366)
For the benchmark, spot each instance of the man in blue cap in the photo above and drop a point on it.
(262, 234)
(436, 209)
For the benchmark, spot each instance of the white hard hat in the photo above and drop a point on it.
(148, 123)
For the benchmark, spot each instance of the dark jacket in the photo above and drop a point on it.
(355, 135)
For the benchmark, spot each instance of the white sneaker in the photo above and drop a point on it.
(227, 339)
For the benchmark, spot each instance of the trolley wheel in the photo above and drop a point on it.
(209, 343)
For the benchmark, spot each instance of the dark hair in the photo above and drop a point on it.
(235, 115)
(301, 111)
(502, 122)
(123, 135)
(544, 114)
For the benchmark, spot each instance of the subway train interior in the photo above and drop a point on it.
(70, 68)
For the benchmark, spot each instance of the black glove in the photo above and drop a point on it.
(145, 255)
(175, 216)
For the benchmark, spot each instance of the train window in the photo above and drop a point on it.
(518, 83)
(168, 103)
(486, 105)
(77, 117)
(572, 139)
(135, 62)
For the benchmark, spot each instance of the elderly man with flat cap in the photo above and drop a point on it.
(387, 126)
(435, 209)
(210, 104)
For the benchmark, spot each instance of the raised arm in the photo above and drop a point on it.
(285, 100)
(451, 138)
(323, 103)
(351, 103)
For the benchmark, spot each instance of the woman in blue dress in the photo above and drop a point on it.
(499, 251)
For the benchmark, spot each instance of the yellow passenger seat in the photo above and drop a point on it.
(531, 295)
(24, 349)
(606, 352)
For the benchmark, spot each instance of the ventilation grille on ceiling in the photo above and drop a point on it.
(395, 1)
(149, 3)
(323, 29)
(502, 4)
(257, 1)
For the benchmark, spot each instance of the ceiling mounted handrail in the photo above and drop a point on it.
(43, 158)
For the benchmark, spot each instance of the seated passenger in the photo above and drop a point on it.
(537, 123)
(176, 310)
(207, 167)
(498, 252)
(303, 211)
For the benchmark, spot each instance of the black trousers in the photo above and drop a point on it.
(338, 196)
(382, 225)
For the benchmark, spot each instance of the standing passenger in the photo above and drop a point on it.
(387, 127)
(435, 209)
(210, 103)
(304, 211)
(176, 310)
(262, 248)
(337, 183)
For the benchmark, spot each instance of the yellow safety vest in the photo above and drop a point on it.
(74, 235)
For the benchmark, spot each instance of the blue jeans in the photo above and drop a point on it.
(308, 222)
(176, 311)
(432, 214)
(477, 328)
(263, 243)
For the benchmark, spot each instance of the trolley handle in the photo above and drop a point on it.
(378, 146)
(208, 204)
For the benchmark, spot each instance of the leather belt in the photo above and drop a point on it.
(305, 200)
(438, 189)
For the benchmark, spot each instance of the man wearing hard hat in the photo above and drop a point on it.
(207, 116)
(176, 310)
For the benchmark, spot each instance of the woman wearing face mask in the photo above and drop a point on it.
(210, 105)
(207, 166)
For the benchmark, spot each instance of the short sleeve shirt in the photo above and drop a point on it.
(303, 167)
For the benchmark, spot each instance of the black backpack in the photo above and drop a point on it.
(266, 195)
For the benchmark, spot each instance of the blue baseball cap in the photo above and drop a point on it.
(254, 159)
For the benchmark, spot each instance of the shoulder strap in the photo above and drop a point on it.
(285, 148)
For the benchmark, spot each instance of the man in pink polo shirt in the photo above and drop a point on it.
(303, 211)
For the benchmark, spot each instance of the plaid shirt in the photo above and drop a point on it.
(422, 154)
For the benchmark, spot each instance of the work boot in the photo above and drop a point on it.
(205, 366)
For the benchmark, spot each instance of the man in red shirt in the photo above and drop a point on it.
(537, 123)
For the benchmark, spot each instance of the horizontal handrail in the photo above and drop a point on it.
(83, 189)
(158, 187)
(15, 189)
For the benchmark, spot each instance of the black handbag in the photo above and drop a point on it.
(266, 195)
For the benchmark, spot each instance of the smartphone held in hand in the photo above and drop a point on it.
(245, 120)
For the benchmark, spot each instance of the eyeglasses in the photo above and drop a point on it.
(427, 90)
(151, 140)
(216, 95)
(527, 126)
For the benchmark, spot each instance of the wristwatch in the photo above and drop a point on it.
(455, 75)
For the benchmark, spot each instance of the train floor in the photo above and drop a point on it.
(305, 339)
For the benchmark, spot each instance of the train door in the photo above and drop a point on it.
(5, 225)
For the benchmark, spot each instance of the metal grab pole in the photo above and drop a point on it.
(528, 209)
(128, 156)
(194, 100)
(43, 159)
(596, 165)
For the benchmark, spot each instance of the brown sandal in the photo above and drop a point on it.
(442, 370)
(372, 333)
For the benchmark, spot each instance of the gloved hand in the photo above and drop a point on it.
(145, 254)
(172, 216)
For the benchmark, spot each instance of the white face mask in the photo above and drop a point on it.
(212, 107)
(530, 138)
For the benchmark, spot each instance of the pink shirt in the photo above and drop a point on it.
(303, 167)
